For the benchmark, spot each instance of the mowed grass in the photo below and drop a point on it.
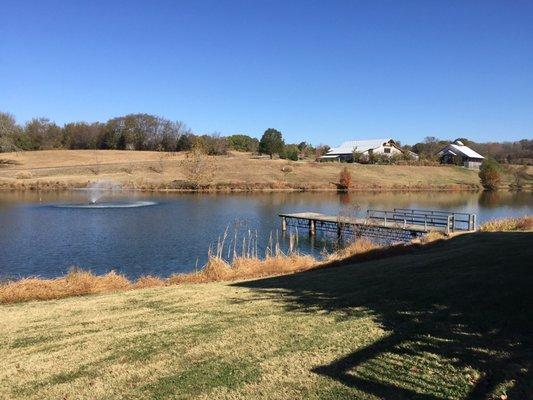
(150, 170)
(450, 320)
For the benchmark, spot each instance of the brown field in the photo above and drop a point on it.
(145, 170)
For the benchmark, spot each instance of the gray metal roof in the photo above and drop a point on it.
(464, 150)
(360, 145)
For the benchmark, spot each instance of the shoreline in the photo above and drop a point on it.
(247, 188)
(80, 282)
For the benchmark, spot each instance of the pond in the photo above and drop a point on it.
(43, 234)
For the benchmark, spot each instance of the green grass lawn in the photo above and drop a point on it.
(453, 320)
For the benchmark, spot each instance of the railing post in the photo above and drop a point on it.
(473, 222)
(283, 224)
(448, 226)
(311, 227)
(453, 222)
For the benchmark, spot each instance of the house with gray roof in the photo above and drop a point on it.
(459, 154)
(347, 150)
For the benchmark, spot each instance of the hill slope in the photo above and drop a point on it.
(240, 171)
(449, 321)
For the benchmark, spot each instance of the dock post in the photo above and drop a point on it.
(312, 229)
(283, 224)
(473, 222)
(448, 226)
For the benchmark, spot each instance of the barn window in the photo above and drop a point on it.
(386, 150)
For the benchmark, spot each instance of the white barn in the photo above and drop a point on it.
(345, 152)
(458, 153)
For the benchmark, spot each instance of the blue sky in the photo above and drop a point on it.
(321, 71)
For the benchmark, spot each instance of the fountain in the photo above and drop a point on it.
(98, 189)
(104, 189)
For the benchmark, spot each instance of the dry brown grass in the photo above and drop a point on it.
(433, 236)
(357, 247)
(274, 265)
(80, 282)
(217, 269)
(59, 169)
(148, 281)
(76, 283)
(508, 224)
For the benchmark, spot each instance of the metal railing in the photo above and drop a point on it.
(449, 221)
(460, 221)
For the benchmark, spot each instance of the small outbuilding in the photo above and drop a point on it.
(364, 148)
(459, 154)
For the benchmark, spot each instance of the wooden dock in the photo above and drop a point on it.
(398, 225)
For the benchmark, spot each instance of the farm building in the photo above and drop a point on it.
(364, 148)
(458, 153)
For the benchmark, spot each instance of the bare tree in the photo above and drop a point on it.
(199, 169)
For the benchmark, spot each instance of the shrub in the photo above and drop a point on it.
(345, 179)
(508, 224)
(243, 143)
(290, 152)
(489, 174)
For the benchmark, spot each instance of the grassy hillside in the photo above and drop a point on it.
(451, 320)
(156, 170)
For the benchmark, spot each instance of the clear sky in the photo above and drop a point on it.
(321, 71)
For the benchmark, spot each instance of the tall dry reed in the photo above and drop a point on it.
(77, 282)
(508, 224)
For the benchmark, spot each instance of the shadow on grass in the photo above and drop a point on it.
(467, 301)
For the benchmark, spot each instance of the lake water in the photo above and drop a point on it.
(43, 234)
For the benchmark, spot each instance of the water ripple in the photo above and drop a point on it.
(129, 204)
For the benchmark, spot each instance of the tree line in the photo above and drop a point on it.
(129, 132)
(139, 132)
(150, 132)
